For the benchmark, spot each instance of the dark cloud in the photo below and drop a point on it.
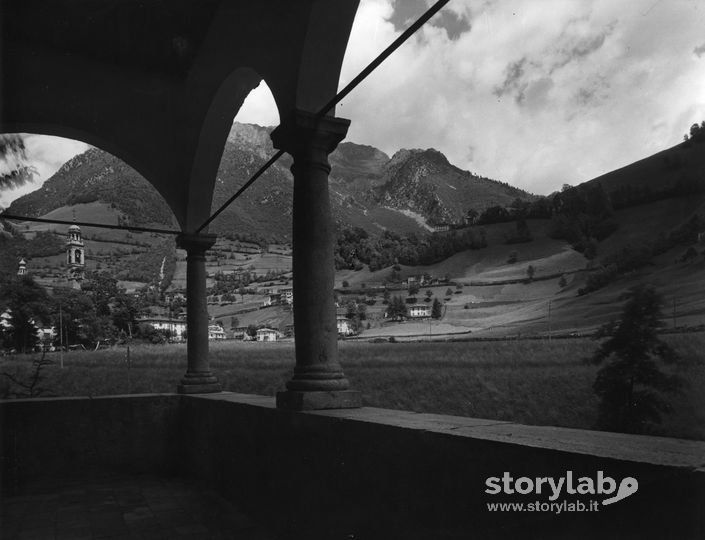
(12, 144)
(19, 176)
(407, 11)
(582, 48)
(699, 50)
(595, 92)
(454, 24)
(14, 169)
(513, 81)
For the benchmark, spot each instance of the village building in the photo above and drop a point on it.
(268, 334)
(175, 327)
(345, 326)
(420, 311)
(22, 268)
(287, 295)
(215, 332)
(273, 299)
(240, 332)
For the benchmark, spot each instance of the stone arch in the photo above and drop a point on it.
(106, 145)
(78, 134)
(216, 125)
(319, 69)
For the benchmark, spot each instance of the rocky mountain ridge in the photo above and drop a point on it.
(368, 189)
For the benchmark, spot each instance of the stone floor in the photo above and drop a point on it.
(122, 507)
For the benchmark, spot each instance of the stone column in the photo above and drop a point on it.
(198, 378)
(318, 381)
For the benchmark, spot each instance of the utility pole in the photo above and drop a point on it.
(61, 338)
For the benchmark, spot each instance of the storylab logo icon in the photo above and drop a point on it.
(552, 493)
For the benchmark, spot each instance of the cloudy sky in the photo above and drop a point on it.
(536, 93)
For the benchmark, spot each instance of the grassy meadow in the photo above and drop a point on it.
(528, 382)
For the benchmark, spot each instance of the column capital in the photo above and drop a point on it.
(196, 243)
(304, 131)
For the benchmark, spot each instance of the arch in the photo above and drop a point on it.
(216, 125)
(77, 134)
(319, 71)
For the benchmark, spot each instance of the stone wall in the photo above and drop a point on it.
(69, 437)
(363, 473)
(373, 473)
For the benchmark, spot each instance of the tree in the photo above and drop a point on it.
(436, 309)
(631, 382)
(74, 314)
(397, 309)
(530, 272)
(345, 283)
(562, 282)
(449, 291)
(28, 306)
(413, 288)
(429, 295)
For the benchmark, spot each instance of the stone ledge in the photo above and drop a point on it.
(665, 451)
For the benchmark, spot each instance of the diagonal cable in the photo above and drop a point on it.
(338, 97)
(88, 224)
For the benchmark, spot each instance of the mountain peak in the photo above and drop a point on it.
(252, 137)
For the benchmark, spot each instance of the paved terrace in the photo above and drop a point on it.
(235, 466)
(121, 506)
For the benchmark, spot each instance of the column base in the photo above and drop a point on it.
(317, 400)
(199, 384)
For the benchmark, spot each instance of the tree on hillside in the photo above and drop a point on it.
(429, 295)
(397, 309)
(631, 383)
(413, 288)
(562, 282)
(530, 272)
(436, 309)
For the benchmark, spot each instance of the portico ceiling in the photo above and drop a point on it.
(157, 83)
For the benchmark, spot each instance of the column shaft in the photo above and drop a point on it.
(198, 378)
(318, 381)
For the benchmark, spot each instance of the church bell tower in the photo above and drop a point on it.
(75, 256)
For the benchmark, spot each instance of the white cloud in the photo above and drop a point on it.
(46, 154)
(601, 84)
(259, 108)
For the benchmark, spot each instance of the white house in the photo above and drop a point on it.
(420, 311)
(344, 325)
(176, 327)
(267, 334)
(215, 331)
